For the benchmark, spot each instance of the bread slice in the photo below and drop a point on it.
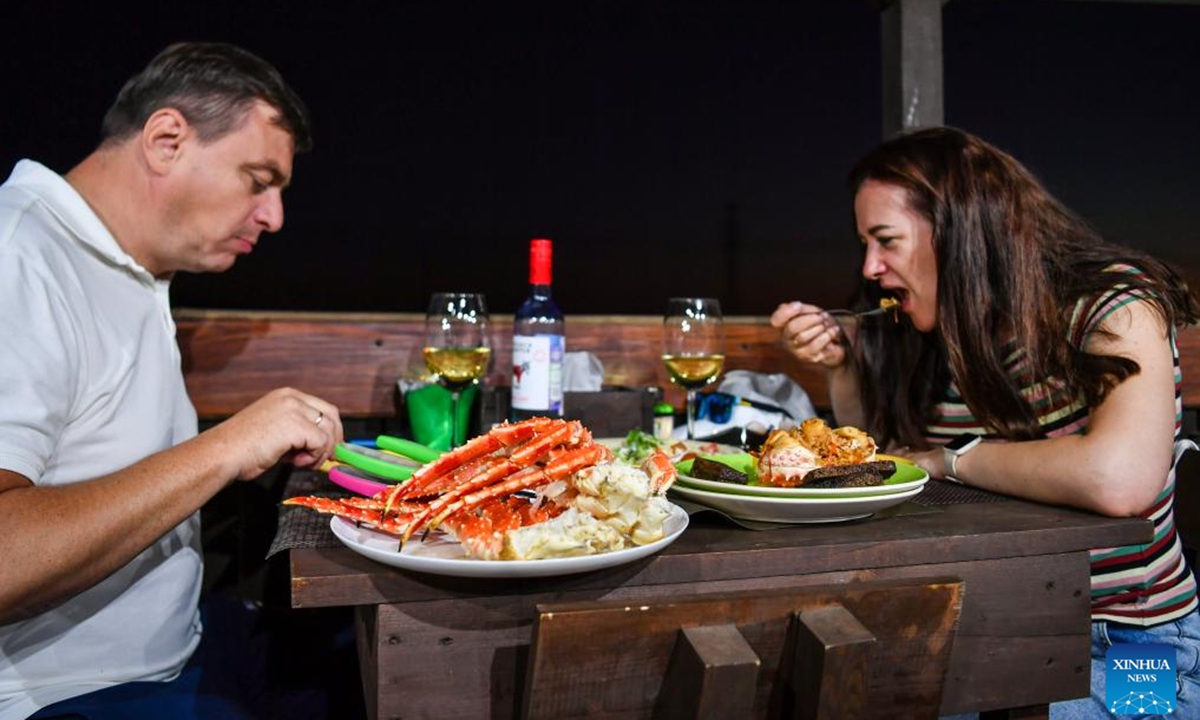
(706, 469)
(857, 475)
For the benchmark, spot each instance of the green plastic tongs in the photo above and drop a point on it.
(396, 459)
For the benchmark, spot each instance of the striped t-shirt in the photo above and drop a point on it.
(1136, 584)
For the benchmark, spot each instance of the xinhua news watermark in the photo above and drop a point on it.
(1139, 679)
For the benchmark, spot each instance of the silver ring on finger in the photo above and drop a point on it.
(319, 419)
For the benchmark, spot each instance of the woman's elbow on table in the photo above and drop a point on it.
(1127, 487)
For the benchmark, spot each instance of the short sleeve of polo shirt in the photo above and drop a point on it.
(38, 368)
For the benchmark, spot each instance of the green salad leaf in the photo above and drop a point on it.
(637, 447)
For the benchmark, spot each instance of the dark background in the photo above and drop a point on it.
(667, 148)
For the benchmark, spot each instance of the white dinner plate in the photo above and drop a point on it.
(908, 477)
(793, 510)
(440, 556)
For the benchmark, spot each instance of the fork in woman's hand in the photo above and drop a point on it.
(887, 304)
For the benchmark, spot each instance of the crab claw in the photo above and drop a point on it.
(534, 476)
(661, 471)
(360, 510)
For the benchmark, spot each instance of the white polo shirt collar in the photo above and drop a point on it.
(65, 202)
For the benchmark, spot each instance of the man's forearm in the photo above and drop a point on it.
(60, 541)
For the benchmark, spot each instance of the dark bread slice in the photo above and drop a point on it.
(866, 478)
(706, 469)
(859, 475)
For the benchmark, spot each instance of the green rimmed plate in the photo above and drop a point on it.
(793, 509)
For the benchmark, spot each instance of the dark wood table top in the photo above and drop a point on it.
(714, 549)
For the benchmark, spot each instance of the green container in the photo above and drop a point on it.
(429, 415)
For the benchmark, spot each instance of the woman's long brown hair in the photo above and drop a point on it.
(1012, 261)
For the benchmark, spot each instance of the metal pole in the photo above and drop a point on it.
(912, 65)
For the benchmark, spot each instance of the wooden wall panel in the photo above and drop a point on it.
(353, 360)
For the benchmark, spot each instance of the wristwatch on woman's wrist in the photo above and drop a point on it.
(951, 451)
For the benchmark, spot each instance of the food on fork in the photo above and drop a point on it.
(531, 490)
(888, 303)
(789, 456)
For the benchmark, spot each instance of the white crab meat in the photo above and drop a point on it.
(571, 534)
(622, 496)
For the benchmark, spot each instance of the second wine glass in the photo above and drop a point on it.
(457, 348)
(693, 347)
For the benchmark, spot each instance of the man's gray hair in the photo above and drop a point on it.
(213, 85)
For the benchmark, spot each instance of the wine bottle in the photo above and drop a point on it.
(538, 343)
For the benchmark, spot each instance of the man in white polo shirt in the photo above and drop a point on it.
(102, 472)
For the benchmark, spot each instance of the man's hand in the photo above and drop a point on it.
(284, 424)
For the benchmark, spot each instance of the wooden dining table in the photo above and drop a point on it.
(437, 646)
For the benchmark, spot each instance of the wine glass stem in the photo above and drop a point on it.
(454, 419)
(691, 414)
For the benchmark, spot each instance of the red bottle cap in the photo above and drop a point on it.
(541, 253)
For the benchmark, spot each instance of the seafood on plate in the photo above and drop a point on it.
(788, 456)
(542, 488)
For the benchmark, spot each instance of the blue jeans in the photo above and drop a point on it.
(1182, 634)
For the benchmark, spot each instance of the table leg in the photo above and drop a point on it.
(366, 618)
(711, 675)
(457, 660)
(833, 650)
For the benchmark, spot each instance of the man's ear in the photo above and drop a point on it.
(163, 138)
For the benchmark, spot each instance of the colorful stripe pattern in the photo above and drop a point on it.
(1137, 584)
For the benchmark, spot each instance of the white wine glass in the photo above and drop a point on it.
(693, 347)
(457, 349)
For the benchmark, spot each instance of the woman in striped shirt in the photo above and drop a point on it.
(1017, 323)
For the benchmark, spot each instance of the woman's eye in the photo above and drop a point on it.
(257, 186)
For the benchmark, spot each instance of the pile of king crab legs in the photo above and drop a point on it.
(533, 489)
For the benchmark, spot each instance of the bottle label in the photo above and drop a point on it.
(537, 378)
(664, 425)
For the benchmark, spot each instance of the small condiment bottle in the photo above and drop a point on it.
(664, 420)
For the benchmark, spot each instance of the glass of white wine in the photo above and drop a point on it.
(693, 347)
(457, 348)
